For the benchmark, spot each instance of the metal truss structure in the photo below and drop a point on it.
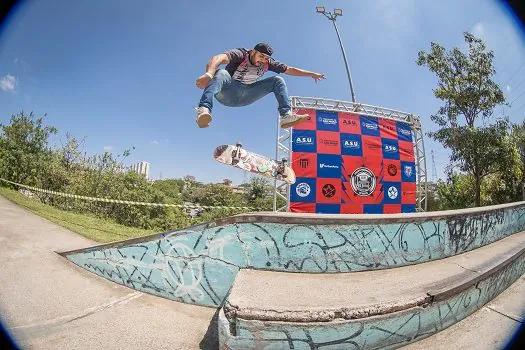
(284, 141)
(283, 150)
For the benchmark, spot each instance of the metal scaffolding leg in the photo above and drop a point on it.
(283, 150)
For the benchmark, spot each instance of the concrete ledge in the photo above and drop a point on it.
(322, 219)
(366, 310)
(289, 297)
(198, 265)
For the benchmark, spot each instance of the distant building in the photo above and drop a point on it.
(141, 168)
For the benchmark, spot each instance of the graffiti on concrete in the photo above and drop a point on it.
(391, 330)
(471, 232)
(199, 266)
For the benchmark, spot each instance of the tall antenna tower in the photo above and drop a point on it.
(434, 172)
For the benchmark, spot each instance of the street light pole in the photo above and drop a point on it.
(332, 17)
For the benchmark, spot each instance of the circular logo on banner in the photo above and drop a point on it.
(392, 170)
(303, 189)
(392, 192)
(363, 181)
(328, 190)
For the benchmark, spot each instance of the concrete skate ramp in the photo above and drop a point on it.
(368, 309)
(198, 265)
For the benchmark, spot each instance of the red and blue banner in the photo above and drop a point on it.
(349, 163)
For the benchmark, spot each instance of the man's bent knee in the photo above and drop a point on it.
(278, 80)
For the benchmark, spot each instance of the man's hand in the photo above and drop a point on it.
(203, 81)
(317, 76)
(298, 72)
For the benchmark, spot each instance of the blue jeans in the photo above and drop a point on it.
(232, 93)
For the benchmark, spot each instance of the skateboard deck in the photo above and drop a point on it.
(238, 157)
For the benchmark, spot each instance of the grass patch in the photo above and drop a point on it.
(87, 225)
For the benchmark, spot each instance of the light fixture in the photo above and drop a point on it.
(332, 16)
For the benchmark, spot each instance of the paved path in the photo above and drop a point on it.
(49, 303)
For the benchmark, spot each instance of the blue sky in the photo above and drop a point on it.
(122, 74)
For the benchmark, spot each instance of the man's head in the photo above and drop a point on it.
(261, 53)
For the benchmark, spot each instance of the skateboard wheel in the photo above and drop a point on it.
(219, 151)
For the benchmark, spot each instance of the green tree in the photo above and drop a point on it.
(518, 137)
(189, 187)
(170, 188)
(134, 187)
(456, 193)
(470, 95)
(506, 185)
(60, 171)
(218, 213)
(24, 150)
(217, 195)
(257, 189)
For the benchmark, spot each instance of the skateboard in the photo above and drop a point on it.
(238, 157)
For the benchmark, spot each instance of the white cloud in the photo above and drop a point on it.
(108, 148)
(478, 30)
(8, 83)
(21, 65)
(508, 88)
(155, 142)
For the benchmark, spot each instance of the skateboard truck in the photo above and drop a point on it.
(236, 153)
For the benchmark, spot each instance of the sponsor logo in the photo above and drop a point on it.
(390, 148)
(351, 144)
(328, 190)
(392, 192)
(328, 121)
(408, 170)
(388, 127)
(373, 146)
(349, 122)
(363, 181)
(303, 163)
(392, 170)
(329, 142)
(323, 165)
(302, 140)
(405, 132)
(303, 189)
(370, 126)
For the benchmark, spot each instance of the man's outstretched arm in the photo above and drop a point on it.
(211, 67)
(297, 72)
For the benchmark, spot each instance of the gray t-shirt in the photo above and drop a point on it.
(242, 70)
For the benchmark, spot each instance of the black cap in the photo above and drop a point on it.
(264, 48)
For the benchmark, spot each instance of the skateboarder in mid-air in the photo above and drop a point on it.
(238, 85)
